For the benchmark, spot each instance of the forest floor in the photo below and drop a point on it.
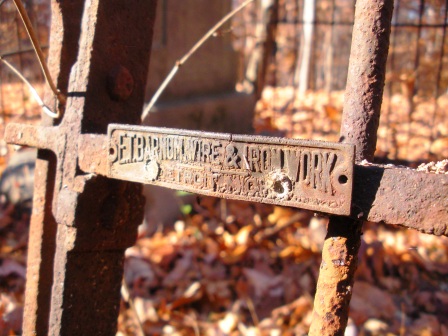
(239, 268)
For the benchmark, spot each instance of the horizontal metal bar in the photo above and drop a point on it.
(43, 137)
(401, 196)
(387, 194)
(313, 175)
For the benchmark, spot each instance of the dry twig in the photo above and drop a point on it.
(33, 91)
(126, 294)
(180, 62)
(40, 55)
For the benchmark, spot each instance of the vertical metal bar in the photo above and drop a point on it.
(98, 217)
(366, 76)
(66, 22)
(365, 83)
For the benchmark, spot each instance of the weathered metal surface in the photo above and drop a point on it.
(336, 276)
(402, 196)
(65, 26)
(96, 217)
(386, 194)
(43, 137)
(306, 174)
(366, 76)
(360, 120)
(93, 154)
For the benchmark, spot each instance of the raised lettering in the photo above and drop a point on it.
(122, 149)
(316, 164)
(139, 147)
(327, 166)
(305, 167)
(216, 152)
(292, 163)
(236, 166)
(253, 157)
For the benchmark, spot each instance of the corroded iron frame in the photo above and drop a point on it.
(82, 221)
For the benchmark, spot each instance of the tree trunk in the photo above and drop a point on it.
(265, 36)
(306, 45)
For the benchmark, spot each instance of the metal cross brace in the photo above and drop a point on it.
(82, 223)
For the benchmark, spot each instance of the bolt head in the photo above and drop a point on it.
(120, 83)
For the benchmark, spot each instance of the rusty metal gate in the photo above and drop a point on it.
(86, 211)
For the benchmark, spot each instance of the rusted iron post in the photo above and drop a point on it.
(366, 76)
(364, 91)
(66, 26)
(82, 222)
(98, 217)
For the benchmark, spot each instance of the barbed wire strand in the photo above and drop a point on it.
(180, 62)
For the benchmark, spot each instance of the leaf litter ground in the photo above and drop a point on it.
(239, 268)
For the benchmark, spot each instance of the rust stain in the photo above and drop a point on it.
(360, 120)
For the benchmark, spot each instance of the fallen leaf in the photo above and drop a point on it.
(369, 301)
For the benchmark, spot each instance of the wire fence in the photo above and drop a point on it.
(413, 122)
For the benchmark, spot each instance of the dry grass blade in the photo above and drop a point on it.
(33, 91)
(40, 56)
(180, 62)
(126, 294)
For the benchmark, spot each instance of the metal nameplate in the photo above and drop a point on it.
(312, 175)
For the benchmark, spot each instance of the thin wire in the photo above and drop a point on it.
(40, 56)
(350, 23)
(22, 51)
(188, 55)
(439, 77)
(33, 91)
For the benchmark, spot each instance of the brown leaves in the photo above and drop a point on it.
(230, 275)
(236, 268)
(370, 301)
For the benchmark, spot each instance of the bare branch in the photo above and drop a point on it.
(33, 91)
(40, 56)
(180, 62)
